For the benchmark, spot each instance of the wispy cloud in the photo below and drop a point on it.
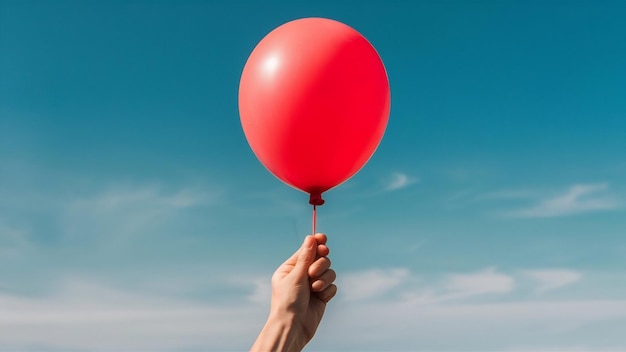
(258, 286)
(508, 324)
(371, 283)
(88, 315)
(84, 314)
(440, 307)
(550, 279)
(118, 230)
(580, 198)
(399, 180)
(376, 283)
(565, 349)
(118, 197)
(463, 286)
(121, 212)
(484, 281)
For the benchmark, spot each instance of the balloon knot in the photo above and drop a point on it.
(316, 199)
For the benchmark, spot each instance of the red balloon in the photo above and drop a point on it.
(314, 103)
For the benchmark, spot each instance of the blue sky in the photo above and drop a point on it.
(134, 216)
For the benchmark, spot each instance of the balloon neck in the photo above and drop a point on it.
(316, 199)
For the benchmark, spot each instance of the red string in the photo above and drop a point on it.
(314, 217)
(315, 200)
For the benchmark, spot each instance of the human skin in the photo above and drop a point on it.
(301, 288)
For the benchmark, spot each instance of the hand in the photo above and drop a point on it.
(301, 287)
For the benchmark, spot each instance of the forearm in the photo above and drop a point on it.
(279, 335)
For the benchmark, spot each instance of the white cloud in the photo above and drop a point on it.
(565, 349)
(92, 316)
(399, 180)
(550, 279)
(259, 286)
(403, 325)
(128, 198)
(371, 283)
(109, 213)
(485, 281)
(375, 283)
(463, 286)
(577, 199)
(262, 291)
(87, 315)
(122, 212)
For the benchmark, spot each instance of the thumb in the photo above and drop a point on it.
(306, 255)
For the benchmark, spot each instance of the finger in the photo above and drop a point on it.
(327, 294)
(320, 238)
(324, 281)
(322, 250)
(319, 266)
(306, 255)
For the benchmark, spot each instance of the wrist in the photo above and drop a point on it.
(280, 334)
